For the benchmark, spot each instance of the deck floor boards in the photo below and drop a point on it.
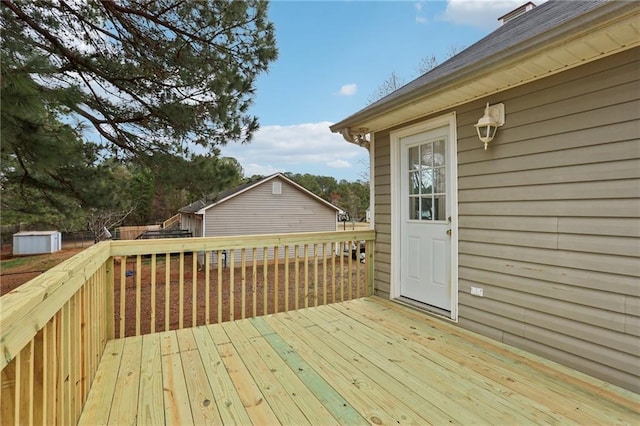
(366, 361)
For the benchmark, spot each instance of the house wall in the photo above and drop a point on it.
(258, 211)
(192, 222)
(549, 219)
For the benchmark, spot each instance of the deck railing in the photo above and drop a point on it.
(173, 220)
(53, 329)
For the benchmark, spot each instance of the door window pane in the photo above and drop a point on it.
(425, 211)
(440, 180)
(439, 207)
(414, 183)
(427, 181)
(414, 208)
(438, 153)
(414, 158)
(426, 152)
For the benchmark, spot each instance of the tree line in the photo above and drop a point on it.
(351, 197)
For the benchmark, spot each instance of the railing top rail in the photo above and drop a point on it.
(175, 245)
(28, 308)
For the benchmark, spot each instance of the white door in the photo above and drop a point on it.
(425, 210)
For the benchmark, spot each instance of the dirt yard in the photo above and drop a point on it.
(308, 290)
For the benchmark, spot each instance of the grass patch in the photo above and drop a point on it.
(14, 263)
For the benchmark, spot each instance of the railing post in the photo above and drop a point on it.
(110, 307)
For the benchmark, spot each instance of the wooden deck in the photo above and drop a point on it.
(367, 361)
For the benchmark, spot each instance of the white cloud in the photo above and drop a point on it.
(300, 148)
(339, 164)
(479, 13)
(348, 89)
(418, 7)
(258, 169)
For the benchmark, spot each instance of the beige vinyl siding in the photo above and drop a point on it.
(192, 222)
(382, 212)
(259, 211)
(549, 219)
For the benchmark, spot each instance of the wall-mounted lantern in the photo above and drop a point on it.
(488, 124)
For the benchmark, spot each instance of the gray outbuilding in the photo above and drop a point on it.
(36, 242)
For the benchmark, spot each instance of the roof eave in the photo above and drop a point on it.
(574, 31)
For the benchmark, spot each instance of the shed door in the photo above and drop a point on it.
(425, 274)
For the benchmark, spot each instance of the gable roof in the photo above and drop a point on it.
(211, 200)
(551, 38)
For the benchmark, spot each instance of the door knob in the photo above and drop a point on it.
(449, 232)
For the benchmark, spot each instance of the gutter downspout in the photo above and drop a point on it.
(359, 139)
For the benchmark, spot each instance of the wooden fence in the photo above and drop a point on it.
(54, 328)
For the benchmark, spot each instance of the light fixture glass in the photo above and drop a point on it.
(488, 124)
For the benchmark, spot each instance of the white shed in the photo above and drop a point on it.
(36, 242)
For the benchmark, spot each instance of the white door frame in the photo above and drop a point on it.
(396, 220)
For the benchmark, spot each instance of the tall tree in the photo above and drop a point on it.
(394, 82)
(391, 84)
(83, 82)
(148, 76)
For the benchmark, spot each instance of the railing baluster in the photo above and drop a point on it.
(286, 277)
(153, 293)
(358, 282)
(138, 273)
(276, 279)
(109, 294)
(342, 271)
(232, 267)
(55, 365)
(167, 291)
(181, 292)
(254, 278)
(76, 351)
(296, 285)
(370, 253)
(207, 287)
(123, 291)
(306, 275)
(84, 348)
(243, 282)
(333, 247)
(265, 280)
(19, 386)
(65, 356)
(315, 275)
(220, 286)
(194, 288)
(49, 367)
(350, 266)
(25, 368)
(37, 400)
(324, 273)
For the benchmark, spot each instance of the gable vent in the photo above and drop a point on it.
(276, 188)
(516, 12)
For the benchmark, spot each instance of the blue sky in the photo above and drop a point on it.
(332, 57)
